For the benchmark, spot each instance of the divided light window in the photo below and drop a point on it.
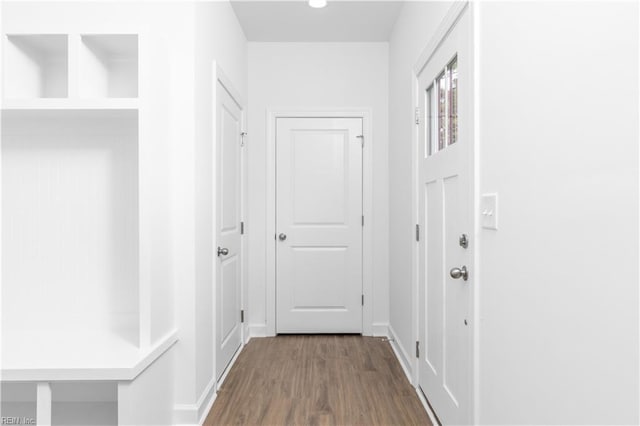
(441, 109)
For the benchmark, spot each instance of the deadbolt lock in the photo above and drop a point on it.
(463, 241)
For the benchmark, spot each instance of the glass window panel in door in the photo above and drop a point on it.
(441, 83)
(452, 74)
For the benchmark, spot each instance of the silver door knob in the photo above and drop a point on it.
(459, 272)
(223, 251)
(282, 237)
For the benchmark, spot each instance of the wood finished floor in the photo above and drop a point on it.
(317, 380)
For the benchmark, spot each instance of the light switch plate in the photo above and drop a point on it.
(489, 211)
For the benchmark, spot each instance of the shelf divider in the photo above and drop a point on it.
(74, 64)
(43, 404)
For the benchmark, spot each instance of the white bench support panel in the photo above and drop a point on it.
(43, 405)
(148, 399)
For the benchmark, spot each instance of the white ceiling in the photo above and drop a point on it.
(295, 21)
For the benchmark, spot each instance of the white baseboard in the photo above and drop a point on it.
(401, 354)
(407, 367)
(206, 400)
(427, 407)
(380, 329)
(257, 330)
(195, 414)
(246, 333)
(233, 361)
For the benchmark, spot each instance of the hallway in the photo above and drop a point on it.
(311, 380)
(443, 194)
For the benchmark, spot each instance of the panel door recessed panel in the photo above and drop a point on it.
(434, 275)
(320, 166)
(230, 280)
(230, 166)
(317, 286)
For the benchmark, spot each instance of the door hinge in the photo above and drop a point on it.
(362, 220)
(417, 349)
(242, 315)
(363, 300)
(242, 135)
(417, 115)
(241, 228)
(361, 137)
(417, 232)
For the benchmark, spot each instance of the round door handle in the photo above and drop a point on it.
(223, 251)
(282, 237)
(459, 273)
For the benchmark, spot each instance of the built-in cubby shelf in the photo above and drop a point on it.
(36, 66)
(70, 104)
(70, 234)
(85, 284)
(67, 403)
(70, 71)
(108, 66)
(19, 400)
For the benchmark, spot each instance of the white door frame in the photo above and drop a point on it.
(367, 203)
(446, 25)
(218, 76)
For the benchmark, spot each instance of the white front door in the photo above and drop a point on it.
(445, 195)
(319, 225)
(228, 217)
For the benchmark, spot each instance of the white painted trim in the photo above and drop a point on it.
(258, 330)
(406, 362)
(427, 407)
(401, 355)
(185, 414)
(446, 25)
(415, 265)
(195, 414)
(229, 367)
(367, 204)
(205, 402)
(246, 331)
(228, 86)
(477, 283)
(380, 329)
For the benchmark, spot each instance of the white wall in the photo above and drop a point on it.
(217, 36)
(559, 279)
(558, 142)
(325, 75)
(413, 30)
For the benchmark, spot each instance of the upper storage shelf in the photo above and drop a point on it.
(36, 66)
(108, 66)
(74, 69)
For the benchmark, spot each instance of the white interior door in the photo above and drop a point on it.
(228, 228)
(445, 195)
(319, 225)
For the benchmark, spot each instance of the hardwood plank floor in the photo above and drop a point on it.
(317, 380)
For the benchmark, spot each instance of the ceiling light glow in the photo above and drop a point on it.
(317, 4)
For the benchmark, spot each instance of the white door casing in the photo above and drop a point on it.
(319, 225)
(445, 212)
(229, 193)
